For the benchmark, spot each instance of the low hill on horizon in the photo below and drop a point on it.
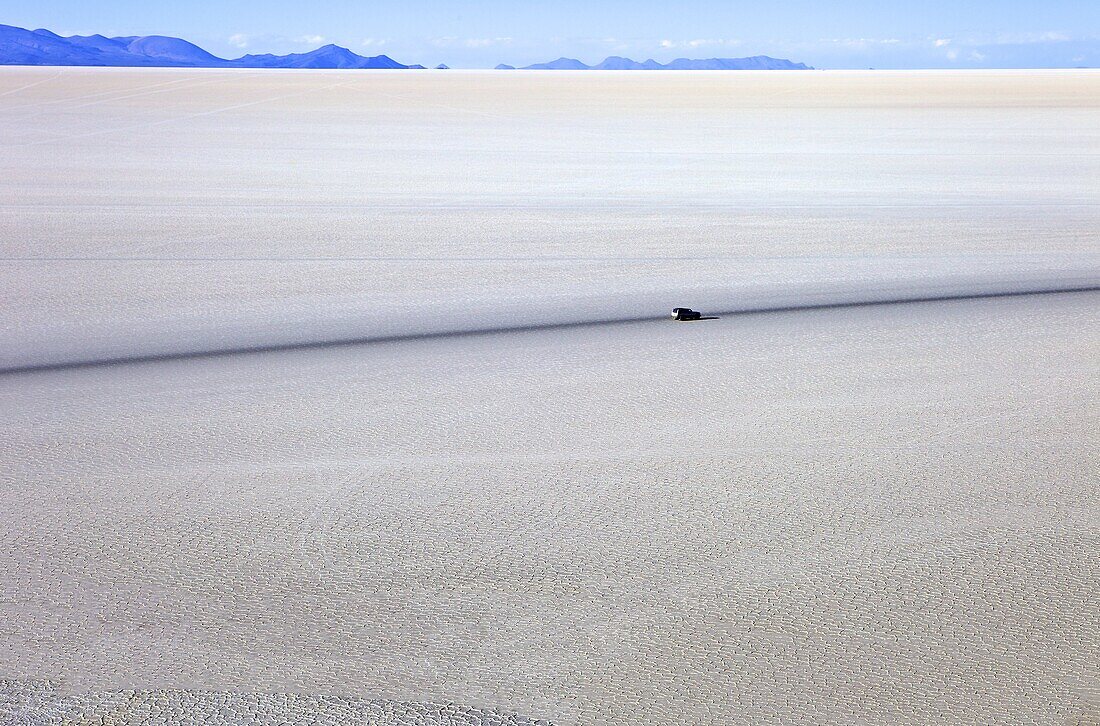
(618, 63)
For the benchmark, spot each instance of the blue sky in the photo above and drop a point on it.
(847, 34)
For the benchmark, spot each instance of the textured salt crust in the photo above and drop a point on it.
(167, 211)
(868, 515)
(790, 284)
(35, 703)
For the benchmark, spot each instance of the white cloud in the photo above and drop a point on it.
(452, 41)
(239, 40)
(312, 39)
(1049, 36)
(861, 42)
(698, 43)
(374, 42)
(486, 42)
(977, 56)
(952, 54)
(941, 42)
(643, 45)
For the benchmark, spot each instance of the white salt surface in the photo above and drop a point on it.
(148, 212)
(885, 514)
(878, 514)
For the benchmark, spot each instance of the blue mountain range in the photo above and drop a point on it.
(19, 46)
(43, 48)
(618, 63)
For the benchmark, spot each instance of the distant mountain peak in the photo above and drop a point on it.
(45, 48)
(561, 64)
(162, 47)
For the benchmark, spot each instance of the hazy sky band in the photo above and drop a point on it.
(849, 34)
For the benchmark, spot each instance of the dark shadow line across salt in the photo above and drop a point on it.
(352, 341)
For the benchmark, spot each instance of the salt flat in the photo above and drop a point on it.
(882, 514)
(205, 209)
(875, 514)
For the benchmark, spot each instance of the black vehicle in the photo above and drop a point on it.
(685, 314)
